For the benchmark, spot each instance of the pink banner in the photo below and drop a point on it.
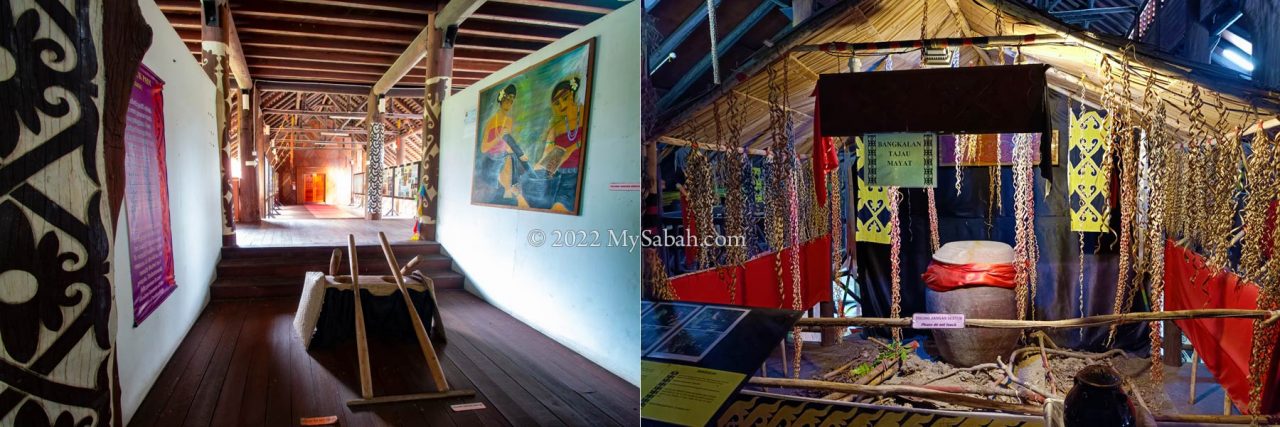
(147, 196)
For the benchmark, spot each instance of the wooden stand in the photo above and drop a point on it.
(442, 390)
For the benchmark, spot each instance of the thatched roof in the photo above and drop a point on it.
(891, 20)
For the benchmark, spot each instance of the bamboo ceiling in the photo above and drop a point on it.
(885, 20)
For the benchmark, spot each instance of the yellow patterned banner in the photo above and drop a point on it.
(873, 205)
(1090, 139)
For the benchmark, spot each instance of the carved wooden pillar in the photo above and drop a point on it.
(61, 187)
(213, 49)
(249, 137)
(439, 70)
(373, 176)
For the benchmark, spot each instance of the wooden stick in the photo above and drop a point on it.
(335, 261)
(1195, 363)
(1217, 419)
(1082, 322)
(409, 397)
(362, 345)
(408, 266)
(424, 342)
(1226, 402)
(905, 390)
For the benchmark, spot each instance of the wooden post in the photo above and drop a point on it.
(439, 70)
(58, 335)
(830, 334)
(213, 48)
(373, 176)
(248, 197)
(1172, 344)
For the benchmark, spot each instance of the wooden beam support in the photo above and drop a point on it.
(304, 113)
(454, 12)
(411, 56)
(235, 53)
(337, 89)
(560, 6)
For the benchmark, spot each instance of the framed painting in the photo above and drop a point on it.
(388, 181)
(531, 135)
(408, 181)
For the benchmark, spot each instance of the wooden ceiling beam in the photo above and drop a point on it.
(455, 12)
(336, 89)
(189, 6)
(522, 14)
(235, 52)
(398, 37)
(512, 31)
(328, 15)
(422, 8)
(411, 57)
(325, 59)
(558, 5)
(319, 44)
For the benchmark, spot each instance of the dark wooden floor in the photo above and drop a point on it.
(241, 365)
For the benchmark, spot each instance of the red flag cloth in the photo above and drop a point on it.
(824, 156)
(757, 281)
(1223, 344)
(942, 277)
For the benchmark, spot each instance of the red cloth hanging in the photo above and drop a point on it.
(757, 280)
(942, 277)
(1223, 344)
(823, 156)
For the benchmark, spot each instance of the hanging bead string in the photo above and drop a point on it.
(733, 169)
(701, 189)
(1127, 152)
(835, 203)
(1025, 247)
(962, 150)
(1079, 234)
(934, 241)
(1226, 178)
(895, 256)
(1157, 149)
(659, 284)
(793, 220)
(778, 170)
(994, 181)
(1264, 340)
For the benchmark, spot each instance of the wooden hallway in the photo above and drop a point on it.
(241, 364)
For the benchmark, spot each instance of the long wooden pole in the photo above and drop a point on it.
(362, 344)
(1083, 322)
(424, 342)
(904, 390)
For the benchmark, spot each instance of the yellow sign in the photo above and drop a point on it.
(684, 395)
(1090, 139)
(873, 205)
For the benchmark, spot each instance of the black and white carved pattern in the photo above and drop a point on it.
(55, 284)
(377, 136)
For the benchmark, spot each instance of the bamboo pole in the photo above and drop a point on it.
(906, 390)
(335, 261)
(362, 344)
(424, 342)
(1083, 322)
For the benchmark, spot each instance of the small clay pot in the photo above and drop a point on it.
(1097, 399)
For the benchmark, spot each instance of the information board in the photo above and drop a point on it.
(906, 160)
(146, 195)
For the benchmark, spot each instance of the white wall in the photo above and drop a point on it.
(585, 298)
(194, 214)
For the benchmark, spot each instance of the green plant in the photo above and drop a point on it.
(861, 370)
(895, 351)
